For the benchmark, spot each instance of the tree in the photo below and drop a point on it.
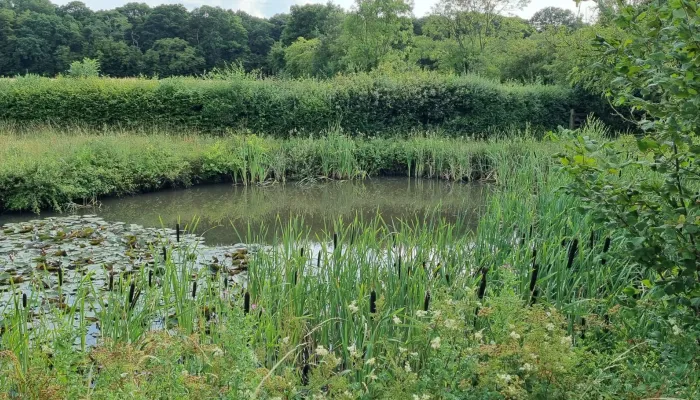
(260, 41)
(174, 56)
(165, 21)
(84, 69)
(554, 17)
(218, 34)
(309, 21)
(656, 68)
(299, 57)
(472, 24)
(136, 14)
(374, 30)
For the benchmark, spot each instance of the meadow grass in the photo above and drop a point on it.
(377, 310)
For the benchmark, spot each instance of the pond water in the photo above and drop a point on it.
(225, 210)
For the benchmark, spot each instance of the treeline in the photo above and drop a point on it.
(39, 37)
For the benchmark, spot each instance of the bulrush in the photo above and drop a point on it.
(572, 253)
(24, 300)
(426, 302)
(373, 302)
(132, 289)
(246, 303)
(111, 281)
(606, 247)
(533, 279)
(60, 276)
(150, 278)
(177, 232)
(482, 285)
(194, 289)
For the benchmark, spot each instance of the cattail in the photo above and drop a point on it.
(583, 328)
(572, 253)
(132, 289)
(301, 252)
(606, 247)
(482, 285)
(150, 278)
(426, 302)
(194, 289)
(111, 281)
(318, 261)
(533, 279)
(165, 254)
(447, 278)
(335, 241)
(24, 300)
(373, 302)
(592, 243)
(60, 276)
(225, 282)
(246, 303)
(399, 267)
(305, 375)
(177, 232)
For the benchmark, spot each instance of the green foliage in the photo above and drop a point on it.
(88, 68)
(369, 104)
(656, 71)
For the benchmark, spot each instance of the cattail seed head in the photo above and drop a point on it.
(246, 303)
(177, 232)
(426, 302)
(482, 285)
(194, 289)
(150, 278)
(24, 300)
(111, 281)
(132, 289)
(335, 241)
(373, 302)
(572, 253)
(60, 276)
(606, 247)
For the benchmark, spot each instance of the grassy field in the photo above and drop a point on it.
(534, 303)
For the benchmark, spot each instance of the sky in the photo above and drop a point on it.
(268, 8)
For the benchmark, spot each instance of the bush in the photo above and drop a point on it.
(368, 104)
(88, 68)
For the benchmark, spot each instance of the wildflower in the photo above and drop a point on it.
(373, 377)
(397, 320)
(371, 361)
(437, 314)
(504, 377)
(550, 326)
(402, 350)
(672, 321)
(527, 367)
(450, 324)
(676, 330)
(414, 354)
(566, 340)
(285, 340)
(421, 313)
(321, 351)
(435, 343)
(478, 335)
(353, 351)
(353, 307)
(514, 335)
(533, 356)
(407, 367)
(218, 352)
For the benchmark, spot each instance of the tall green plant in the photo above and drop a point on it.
(656, 73)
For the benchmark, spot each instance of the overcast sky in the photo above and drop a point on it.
(267, 8)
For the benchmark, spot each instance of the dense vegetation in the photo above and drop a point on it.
(581, 280)
(358, 104)
(311, 40)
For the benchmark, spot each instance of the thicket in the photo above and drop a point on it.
(364, 103)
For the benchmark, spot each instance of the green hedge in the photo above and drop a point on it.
(357, 104)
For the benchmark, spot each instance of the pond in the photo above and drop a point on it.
(226, 211)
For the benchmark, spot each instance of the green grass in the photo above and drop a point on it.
(353, 323)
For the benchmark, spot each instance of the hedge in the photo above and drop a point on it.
(367, 104)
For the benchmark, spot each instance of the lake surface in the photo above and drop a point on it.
(226, 211)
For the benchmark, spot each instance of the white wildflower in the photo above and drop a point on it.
(672, 321)
(373, 377)
(437, 314)
(676, 330)
(566, 340)
(402, 350)
(416, 397)
(550, 326)
(285, 340)
(414, 354)
(425, 397)
(353, 351)
(397, 320)
(527, 367)
(435, 343)
(514, 335)
(478, 335)
(218, 352)
(450, 324)
(353, 307)
(504, 377)
(371, 361)
(321, 351)
(421, 313)
(407, 367)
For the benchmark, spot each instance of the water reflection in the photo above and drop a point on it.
(225, 209)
